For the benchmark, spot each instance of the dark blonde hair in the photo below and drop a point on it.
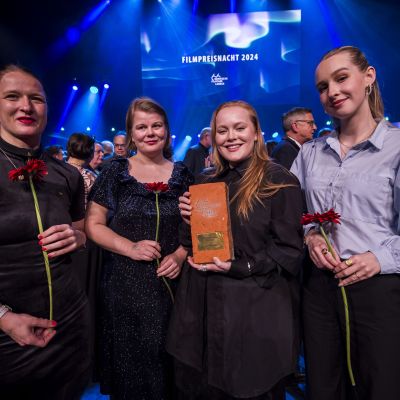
(254, 184)
(358, 58)
(147, 105)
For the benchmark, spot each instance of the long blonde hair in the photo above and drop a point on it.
(254, 185)
(358, 58)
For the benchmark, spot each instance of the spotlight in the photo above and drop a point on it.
(106, 86)
(329, 122)
(275, 135)
(113, 129)
(387, 118)
(88, 128)
(173, 136)
(263, 133)
(62, 129)
(75, 87)
(188, 138)
(94, 89)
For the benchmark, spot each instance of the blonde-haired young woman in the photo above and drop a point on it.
(234, 326)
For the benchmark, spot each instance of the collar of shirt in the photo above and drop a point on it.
(376, 139)
(295, 141)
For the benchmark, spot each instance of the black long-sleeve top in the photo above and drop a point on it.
(245, 321)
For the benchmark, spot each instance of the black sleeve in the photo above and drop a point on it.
(105, 189)
(77, 210)
(284, 241)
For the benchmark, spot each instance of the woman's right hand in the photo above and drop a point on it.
(26, 330)
(319, 252)
(185, 207)
(145, 250)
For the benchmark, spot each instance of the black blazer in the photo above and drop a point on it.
(285, 152)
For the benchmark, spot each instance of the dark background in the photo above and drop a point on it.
(54, 39)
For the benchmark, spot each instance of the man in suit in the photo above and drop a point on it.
(197, 156)
(299, 126)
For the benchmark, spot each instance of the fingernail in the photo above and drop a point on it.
(50, 255)
(53, 323)
(40, 242)
(44, 249)
(40, 236)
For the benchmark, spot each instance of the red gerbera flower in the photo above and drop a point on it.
(328, 216)
(157, 187)
(37, 169)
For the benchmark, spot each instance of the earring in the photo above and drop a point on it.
(368, 90)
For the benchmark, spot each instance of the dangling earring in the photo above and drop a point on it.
(368, 90)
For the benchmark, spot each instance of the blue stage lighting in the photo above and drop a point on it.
(173, 136)
(74, 87)
(106, 86)
(113, 129)
(275, 135)
(387, 118)
(94, 89)
(62, 129)
(329, 122)
(88, 129)
(188, 138)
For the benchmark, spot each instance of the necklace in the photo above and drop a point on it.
(355, 144)
(8, 158)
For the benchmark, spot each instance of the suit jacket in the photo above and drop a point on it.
(195, 158)
(285, 152)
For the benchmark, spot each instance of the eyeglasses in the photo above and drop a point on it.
(307, 121)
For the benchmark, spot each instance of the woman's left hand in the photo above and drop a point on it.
(61, 239)
(357, 268)
(170, 266)
(217, 266)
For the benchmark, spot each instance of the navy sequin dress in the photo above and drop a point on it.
(135, 304)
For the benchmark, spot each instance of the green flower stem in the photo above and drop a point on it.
(346, 314)
(45, 256)
(158, 261)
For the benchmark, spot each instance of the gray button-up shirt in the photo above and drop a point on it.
(364, 187)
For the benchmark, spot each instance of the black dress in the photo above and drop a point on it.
(235, 334)
(57, 371)
(134, 304)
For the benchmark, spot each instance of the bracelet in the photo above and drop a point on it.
(4, 309)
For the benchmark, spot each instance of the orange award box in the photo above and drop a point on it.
(210, 222)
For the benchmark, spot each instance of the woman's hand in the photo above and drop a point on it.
(357, 268)
(171, 265)
(185, 207)
(145, 250)
(62, 239)
(26, 330)
(217, 266)
(319, 252)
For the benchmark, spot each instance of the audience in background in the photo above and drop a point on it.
(108, 148)
(119, 142)
(94, 164)
(55, 151)
(299, 127)
(197, 157)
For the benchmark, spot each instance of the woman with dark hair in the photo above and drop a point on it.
(55, 151)
(135, 302)
(80, 149)
(40, 358)
(234, 327)
(354, 170)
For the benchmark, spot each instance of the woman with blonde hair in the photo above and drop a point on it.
(124, 217)
(354, 170)
(234, 328)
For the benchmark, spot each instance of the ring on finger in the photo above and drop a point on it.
(203, 268)
(349, 262)
(324, 251)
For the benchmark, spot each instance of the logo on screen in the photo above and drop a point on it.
(218, 80)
